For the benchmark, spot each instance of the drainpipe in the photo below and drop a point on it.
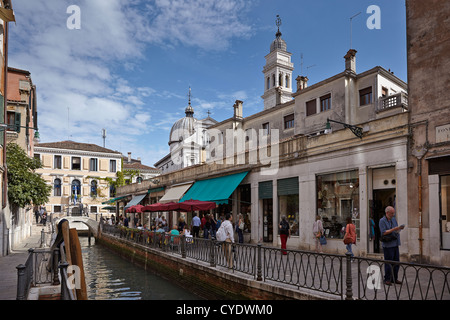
(419, 153)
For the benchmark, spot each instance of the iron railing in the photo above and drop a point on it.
(332, 274)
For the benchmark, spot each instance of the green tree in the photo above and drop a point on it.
(25, 186)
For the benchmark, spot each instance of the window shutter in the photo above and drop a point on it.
(265, 190)
(287, 186)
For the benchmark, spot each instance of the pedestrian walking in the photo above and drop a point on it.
(196, 225)
(41, 212)
(36, 214)
(390, 241)
(350, 235)
(229, 239)
(285, 233)
(317, 233)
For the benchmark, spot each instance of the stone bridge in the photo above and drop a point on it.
(81, 223)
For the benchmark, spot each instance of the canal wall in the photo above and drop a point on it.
(205, 281)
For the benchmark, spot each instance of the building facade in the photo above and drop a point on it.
(78, 174)
(280, 161)
(21, 111)
(428, 47)
(6, 16)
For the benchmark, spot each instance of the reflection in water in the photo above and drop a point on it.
(109, 277)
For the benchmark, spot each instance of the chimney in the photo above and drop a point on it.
(129, 157)
(238, 109)
(302, 82)
(350, 62)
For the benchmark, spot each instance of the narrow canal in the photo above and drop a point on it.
(110, 277)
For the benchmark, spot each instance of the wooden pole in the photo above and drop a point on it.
(77, 260)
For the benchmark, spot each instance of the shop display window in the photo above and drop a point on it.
(288, 206)
(337, 199)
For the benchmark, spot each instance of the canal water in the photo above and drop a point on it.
(110, 277)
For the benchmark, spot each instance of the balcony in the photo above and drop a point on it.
(399, 100)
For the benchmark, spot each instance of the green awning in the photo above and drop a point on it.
(136, 200)
(217, 189)
(153, 190)
(113, 200)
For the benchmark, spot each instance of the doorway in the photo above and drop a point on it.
(381, 199)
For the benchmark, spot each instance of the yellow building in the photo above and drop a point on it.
(77, 173)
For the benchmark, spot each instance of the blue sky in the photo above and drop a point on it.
(129, 67)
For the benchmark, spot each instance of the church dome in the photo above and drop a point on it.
(279, 44)
(183, 128)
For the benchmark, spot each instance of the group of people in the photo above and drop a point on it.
(40, 213)
(205, 226)
(390, 241)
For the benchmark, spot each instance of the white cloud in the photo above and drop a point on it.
(78, 72)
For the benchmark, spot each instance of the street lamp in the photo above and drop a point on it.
(357, 131)
(4, 126)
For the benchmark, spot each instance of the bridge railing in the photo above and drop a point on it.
(333, 274)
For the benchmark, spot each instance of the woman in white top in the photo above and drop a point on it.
(317, 232)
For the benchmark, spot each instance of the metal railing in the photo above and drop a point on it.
(332, 274)
(37, 270)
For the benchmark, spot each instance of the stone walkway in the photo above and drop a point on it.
(18, 255)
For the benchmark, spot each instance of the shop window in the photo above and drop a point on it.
(337, 199)
(288, 203)
(445, 210)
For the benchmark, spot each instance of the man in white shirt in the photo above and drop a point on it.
(227, 245)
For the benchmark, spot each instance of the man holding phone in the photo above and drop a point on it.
(390, 241)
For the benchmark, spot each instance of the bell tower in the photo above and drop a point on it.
(277, 72)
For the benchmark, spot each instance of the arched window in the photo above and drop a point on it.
(280, 80)
(57, 187)
(268, 83)
(287, 81)
(93, 188)
(76, 187)
(139, 179)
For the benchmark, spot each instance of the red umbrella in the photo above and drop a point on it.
(137, 208)
(196, 205)
(170, 206)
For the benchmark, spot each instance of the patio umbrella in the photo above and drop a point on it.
(196, 205)
(136, 208)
